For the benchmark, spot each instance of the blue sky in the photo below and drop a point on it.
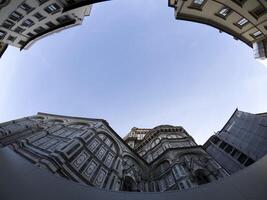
(133, 64)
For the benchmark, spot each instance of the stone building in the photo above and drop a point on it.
(90, 152)
(245, 20)
(241, 142)
(23, 22)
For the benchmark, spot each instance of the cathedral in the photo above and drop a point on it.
(89, 152)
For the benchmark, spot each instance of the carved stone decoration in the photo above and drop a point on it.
(80, 160)
(71, 148)
(109, 159)
(100, 178)
(93, 145)
(101, 153)
(90, 169)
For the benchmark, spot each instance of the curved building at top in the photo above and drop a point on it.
(245, 20)
(24, 22)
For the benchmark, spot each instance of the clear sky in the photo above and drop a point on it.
(133, 64)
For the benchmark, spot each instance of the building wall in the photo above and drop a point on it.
(175, 160)
(241, 142)
(90, 152)
(243, 19)
(24, 22)
(85, 151)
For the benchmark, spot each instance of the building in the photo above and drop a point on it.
(3, 48)
(24, 22)
(90, 152)
(241, 142)
(245, 20)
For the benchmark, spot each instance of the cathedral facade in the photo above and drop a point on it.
(89, 152)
